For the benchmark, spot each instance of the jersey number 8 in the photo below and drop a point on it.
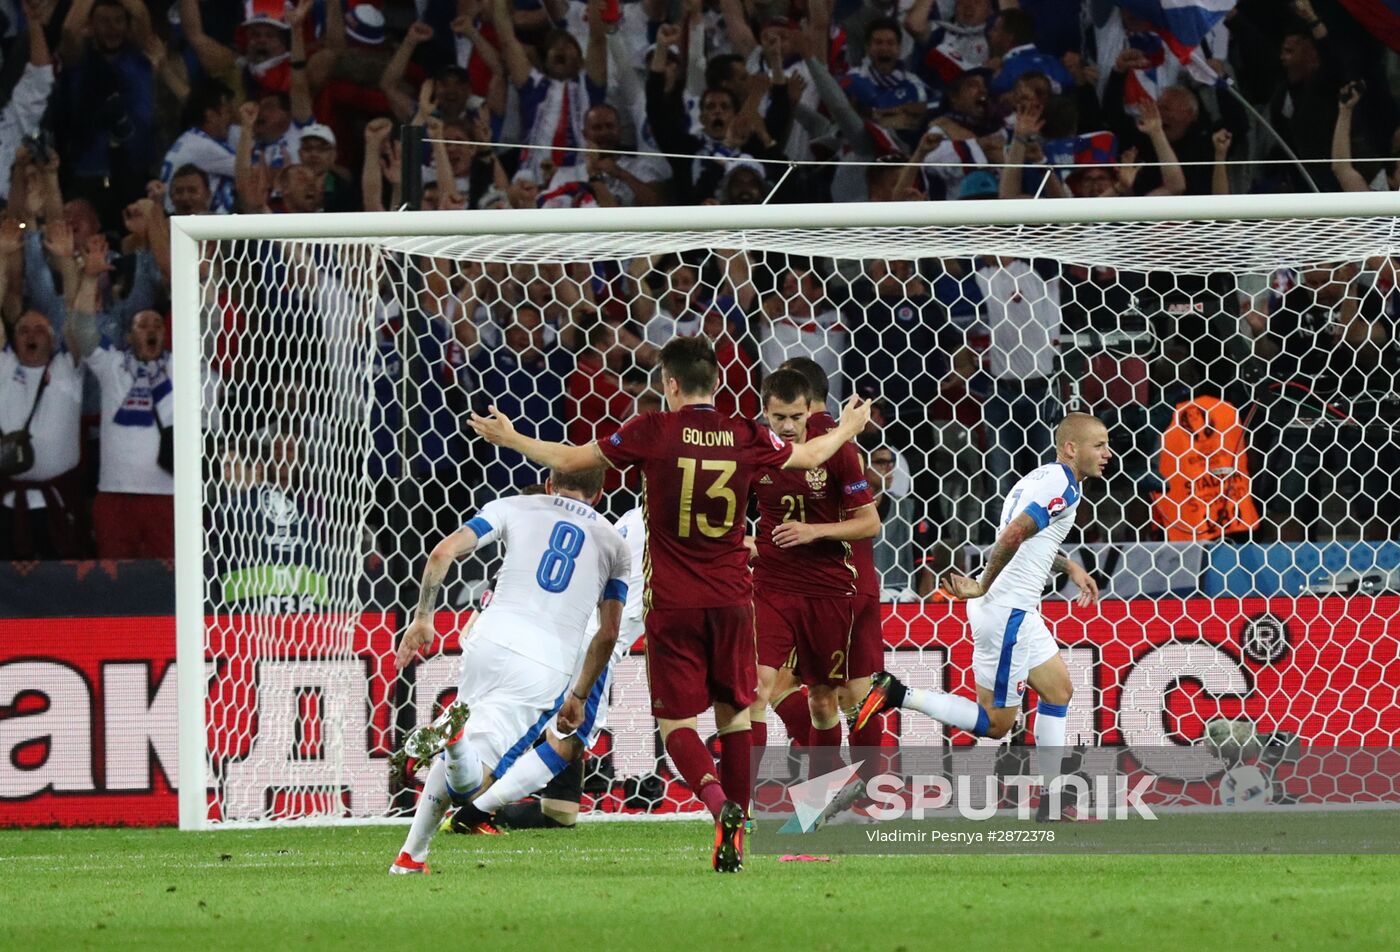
(556, 567)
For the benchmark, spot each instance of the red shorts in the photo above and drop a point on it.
(818, 627)
(777, 640)
(867, 638)
(697, 657)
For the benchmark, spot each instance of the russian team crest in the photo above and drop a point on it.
(816, 479)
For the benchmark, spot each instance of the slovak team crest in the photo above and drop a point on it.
(1057, 506)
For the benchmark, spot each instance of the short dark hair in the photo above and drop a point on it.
(189, 168)
(534, 489)
(589, 482)
(98, 4)
(816, 376)
(691, 362)
(786, 385)
(208, 95)
(719, 68)
(722, 91)
(1018, 23)
(556, 36)
(883, 23)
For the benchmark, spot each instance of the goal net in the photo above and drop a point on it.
(1242, 352)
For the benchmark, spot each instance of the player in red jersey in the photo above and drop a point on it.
(804, 579)
(697, 467)
(867, 655)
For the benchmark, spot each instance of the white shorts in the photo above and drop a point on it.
(595, 710)
(1007, 644)
(512, 699)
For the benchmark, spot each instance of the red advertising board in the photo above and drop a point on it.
(89, 714)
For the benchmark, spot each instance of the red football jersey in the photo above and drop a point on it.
(823, 494)
(862, 550)
(698, 467)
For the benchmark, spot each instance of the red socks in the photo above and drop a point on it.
(759, 731)
(697, 767)
(796, 716)
(736, 766)
(870, 736)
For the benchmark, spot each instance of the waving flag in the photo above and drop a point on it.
(1381, 18)
(1142, 84)
(1182, 23)
(1094, 148)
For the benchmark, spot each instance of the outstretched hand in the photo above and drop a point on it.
(494, 428)
(419, 635)
(1088, 588)
(960, 586)
(855, 415)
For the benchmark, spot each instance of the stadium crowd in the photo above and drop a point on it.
(120, 113)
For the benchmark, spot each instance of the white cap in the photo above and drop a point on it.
(318, 131)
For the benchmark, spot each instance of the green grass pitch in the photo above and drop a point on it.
(638, 887)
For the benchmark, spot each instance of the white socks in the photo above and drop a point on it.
(1050, 739)
(949, 709)
(464, 770)
(432, 804)
(533, 770)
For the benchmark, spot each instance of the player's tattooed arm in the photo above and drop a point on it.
(1018, 530)
(1088, 588)
(420, 632)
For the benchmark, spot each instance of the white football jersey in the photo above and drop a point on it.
(562, 558)
(632, 527)
(214, 156)
(1049, 494)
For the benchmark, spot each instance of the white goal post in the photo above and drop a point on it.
(373, 254)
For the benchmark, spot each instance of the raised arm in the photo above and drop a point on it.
(816, 451)
(371, 173)
(512, 53)
(244, 177)
(1150, 122)
(300, 91)
(916, 21)
(212, 55)
(391, 81)
(736, 24)
(421, 632)
(336, 38)
(1347, 176)
(75, 30)
(1028, 126)
(38, 16)
(1220, 172)
(498, 430)
(12, 262)
(595, 55)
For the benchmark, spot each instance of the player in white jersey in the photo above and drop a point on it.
(578, 729)
(528, 655)
(1012, 646)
